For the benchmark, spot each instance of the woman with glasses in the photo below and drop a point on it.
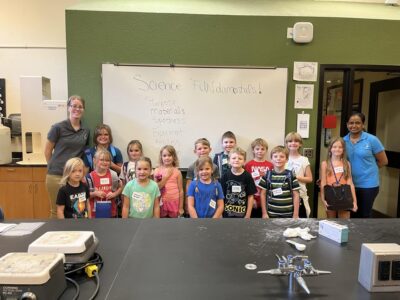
(65, 140)
(366, 155)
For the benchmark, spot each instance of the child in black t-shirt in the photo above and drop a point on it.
(73, 195)
(238, 187)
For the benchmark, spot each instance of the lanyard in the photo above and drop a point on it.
(334, 173)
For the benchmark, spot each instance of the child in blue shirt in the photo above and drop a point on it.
(205, 196)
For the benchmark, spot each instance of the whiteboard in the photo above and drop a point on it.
(161, 105)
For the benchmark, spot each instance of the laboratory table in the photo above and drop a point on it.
(205, 259)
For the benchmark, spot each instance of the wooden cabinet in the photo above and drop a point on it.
(23, 193)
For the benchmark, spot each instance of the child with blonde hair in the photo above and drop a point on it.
(73, 195)
(202, 148)
(205, 195)
(280, 188)
(134, 150)
(169, 180)
(336, 170)
(141, 196)
(104, 187)
(238, 187)
(257, 167)
(300, 165)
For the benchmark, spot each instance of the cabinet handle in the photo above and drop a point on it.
(11, 170)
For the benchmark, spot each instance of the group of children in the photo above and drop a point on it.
(223, 187)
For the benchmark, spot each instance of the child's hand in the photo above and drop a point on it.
(181, 211)
(325, 204)
(100, 194)
(265, 216)
(110, 196)
(355, 207)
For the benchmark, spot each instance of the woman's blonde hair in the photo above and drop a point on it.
(346, 169)
(69, 167)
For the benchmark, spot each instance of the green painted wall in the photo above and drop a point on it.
(95, 37)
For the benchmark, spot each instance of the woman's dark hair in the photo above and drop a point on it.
(358, 114)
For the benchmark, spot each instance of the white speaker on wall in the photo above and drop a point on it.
(303, 32)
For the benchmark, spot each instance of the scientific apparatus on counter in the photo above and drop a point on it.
(295, 267)
(32, 276)
(38, 114)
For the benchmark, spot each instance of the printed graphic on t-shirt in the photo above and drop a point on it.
(235, 199)
(78, 202)
(141, 201)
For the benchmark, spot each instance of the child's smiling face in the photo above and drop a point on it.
(134, 152)
(228, 144)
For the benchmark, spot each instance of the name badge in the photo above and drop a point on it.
(137, 196)
(82, 197)
(255, 174)
(213, 204)
(236, 188)
(338, 170)
(277, 192)
(224, 161)
(104, 181)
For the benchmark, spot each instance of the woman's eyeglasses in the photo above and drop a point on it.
(77, 107)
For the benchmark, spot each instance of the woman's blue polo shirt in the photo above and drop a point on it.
(361, 155)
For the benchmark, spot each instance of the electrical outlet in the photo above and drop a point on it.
(308, 152)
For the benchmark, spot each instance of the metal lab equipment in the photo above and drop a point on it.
(295, 267)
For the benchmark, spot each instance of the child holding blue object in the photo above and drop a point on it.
(104, 186)
(73, 196)
(222, 159)
(205, 195)
(141, 196)
(103, 139)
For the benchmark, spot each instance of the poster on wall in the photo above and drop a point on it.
(305, 71)
(304, 95)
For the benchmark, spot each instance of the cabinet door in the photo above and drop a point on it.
(16, 199)
(41, 201)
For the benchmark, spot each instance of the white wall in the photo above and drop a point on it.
(32, 42)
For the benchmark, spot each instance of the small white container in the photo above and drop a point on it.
(5, 145)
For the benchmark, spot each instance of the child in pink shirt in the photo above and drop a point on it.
(169, 180)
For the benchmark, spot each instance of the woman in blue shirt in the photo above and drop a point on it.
(366, 155)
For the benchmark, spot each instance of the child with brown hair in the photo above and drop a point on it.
(238, 187)
(336, 170)
(257, 167)
(169, 180)
(280, 188)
